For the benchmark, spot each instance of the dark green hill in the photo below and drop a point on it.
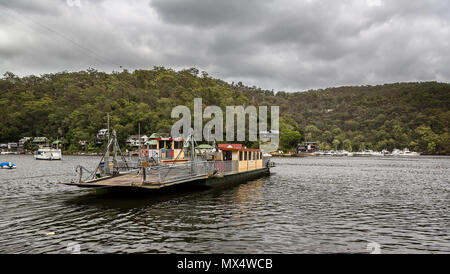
(73, 105)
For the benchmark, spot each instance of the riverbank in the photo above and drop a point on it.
(335, 156)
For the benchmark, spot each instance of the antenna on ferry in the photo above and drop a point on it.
(139, 141)
(106, 161)
(107, 115)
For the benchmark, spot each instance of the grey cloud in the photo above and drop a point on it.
(207, 14)
(33, 7)
(281, 45)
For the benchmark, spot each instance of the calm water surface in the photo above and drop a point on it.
(308, 205)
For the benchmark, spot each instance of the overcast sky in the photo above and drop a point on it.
(280, 45)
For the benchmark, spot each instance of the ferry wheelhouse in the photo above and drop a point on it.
(164, 149)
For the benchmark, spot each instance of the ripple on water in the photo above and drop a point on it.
(309, 205)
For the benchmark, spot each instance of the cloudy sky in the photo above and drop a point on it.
(280, 45)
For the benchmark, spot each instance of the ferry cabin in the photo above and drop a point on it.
(164, 148)
(232, 163)
(239, 159)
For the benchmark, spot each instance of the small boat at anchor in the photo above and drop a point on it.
(48, 154)
(404, 153)
(7, 165)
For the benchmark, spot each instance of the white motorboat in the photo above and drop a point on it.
(406, 152)
(363, 153)
(368, 152)
(376, 153)
(344, 153)
(48, 154)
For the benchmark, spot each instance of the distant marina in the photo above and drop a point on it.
(311, 149)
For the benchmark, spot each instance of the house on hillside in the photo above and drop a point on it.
(13, 146)
(22, 142)
(40, 141)
(101, 137)
(307, 147)
(134, 140)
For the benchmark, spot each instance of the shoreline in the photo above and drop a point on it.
(330, 156)
(275, 155)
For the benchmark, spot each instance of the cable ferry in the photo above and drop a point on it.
(225, 164)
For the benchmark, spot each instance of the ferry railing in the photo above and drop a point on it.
(225, 167)
(126, 166)
(174, 172)
(186, 171)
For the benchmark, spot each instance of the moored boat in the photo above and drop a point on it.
(7, 165)
(368, 153)
(48, 154)
(407, 153)
(403, 153)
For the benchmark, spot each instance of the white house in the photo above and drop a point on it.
(133, 140)
(101, 136)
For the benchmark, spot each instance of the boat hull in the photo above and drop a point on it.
(201, 183)
(305, 154)
(47, 158)
(235, 178)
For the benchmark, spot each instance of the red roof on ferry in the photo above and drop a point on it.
(230, 146)
(236, 147)
(241, 149)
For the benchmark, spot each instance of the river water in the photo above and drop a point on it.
(307, 205)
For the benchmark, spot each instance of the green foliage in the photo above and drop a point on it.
(74, 105)
(28, 145)
(289, 139)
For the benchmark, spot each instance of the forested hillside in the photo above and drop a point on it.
(74, 106)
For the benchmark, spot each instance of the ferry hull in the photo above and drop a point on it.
(236, 178)
(201, 183)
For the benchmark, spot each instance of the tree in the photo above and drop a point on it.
(312, 133)
(289, 139)
(74, 105)
(347, 145)
(29, 146)
(336, 144)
